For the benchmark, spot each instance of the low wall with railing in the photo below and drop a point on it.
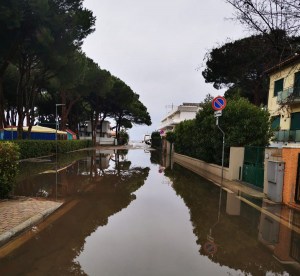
(101, 140)
(231, 173)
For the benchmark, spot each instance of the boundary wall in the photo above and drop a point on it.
(232, 173)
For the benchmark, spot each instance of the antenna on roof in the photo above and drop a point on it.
(169, 106)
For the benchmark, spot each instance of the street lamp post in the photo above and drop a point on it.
(56, 121)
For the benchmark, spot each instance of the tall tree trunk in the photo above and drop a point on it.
(76, 123)
(30, 112)
(63, 93)
(66, 110)
(7, 117)
(9, 57)
(20, 98)
(2, 116)
(96, 125)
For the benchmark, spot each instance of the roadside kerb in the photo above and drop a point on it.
(21, 228)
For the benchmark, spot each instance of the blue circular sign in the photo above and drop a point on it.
(210, 248)
(219, 103)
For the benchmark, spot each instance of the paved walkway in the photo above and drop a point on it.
(15, 212)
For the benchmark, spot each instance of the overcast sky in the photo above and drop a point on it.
(155, 47)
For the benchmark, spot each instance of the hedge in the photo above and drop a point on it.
(9, 155)
(38, 148)
(156, 139)
(243, 123)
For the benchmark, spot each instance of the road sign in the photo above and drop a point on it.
(219, 103)
(218, 113)
(160, 171)
(210, 248)
(210, 238)
(162, 132)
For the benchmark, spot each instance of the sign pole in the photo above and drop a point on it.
(219, 104)
(222, 153)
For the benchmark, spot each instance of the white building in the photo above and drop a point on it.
(186, 111)
(85, 133)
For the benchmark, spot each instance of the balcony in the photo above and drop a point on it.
(290, 94)
(287, 136)
(169, 123)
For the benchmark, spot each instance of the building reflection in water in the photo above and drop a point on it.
(40, 179)
(248, 238)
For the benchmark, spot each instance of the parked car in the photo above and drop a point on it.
(148, 142)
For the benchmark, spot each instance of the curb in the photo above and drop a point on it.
(19, 229)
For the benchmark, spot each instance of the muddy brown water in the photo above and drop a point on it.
(134, 213)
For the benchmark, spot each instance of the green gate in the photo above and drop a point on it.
(253, 167)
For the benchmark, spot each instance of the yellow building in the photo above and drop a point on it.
(284, 99)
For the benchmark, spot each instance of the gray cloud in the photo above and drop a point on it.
(155, 47)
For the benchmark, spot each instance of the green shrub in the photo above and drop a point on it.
(156, 139)
(171, 137)
(38, 148)
(243, 123)
(9, 155)
(124, 137)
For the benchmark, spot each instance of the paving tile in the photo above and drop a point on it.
(14, 212)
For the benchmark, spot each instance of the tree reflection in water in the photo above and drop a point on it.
(52, 251)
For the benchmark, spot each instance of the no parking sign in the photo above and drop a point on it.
(218, 103)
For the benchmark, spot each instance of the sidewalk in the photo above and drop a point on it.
(18, 215)
(229, 185)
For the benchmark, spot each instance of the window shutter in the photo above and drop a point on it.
(276, 122)
(297, 80)
(278, 87)
(295, 121)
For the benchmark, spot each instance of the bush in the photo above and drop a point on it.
(171, 137)
(38, 148)
(9, 155)
(156, 139)
(124, 137)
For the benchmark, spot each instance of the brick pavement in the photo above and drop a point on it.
(14, 212)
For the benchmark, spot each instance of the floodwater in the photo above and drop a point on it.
(135, 213)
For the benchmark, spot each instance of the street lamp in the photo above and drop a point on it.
(56, 121)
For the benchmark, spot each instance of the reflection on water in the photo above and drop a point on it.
(120, 219)
(247, 238)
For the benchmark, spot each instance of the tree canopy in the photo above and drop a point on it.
(42, 64)
(241, 66)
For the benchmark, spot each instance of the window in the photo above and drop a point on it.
(275, 122)
(278, 87)
(295, 121)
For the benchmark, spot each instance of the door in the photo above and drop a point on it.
(253, 167)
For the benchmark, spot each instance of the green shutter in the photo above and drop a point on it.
(278, 87)
(276, 122)
(297, 80)
(295, 121)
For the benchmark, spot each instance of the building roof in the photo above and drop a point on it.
(70, 131)
(39, 129)
(283, 63)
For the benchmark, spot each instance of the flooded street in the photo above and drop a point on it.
(132, 212)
